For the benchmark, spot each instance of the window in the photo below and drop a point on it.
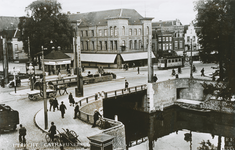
(130, 44)
(166, 38)
(170, 38)
(105, 32)
(100, 32)
(135, 44)
(139, 32)
(130, 31)
(100, 45)
(111, 31)
(159, 39)
(123, 30)
(81, 33)
(115, 31)
(194, 38)
(166, 46)
(86, 33)
(169, 61)
(163, 47)
(135, 31)
(147, 30)
(115, 45)
(176, 44)
(111, 45)
(106, 45)
(92, 33)
(123, 43)
(173, 60)
(181, 44)
(188, 39)
(159, 46)
(140, 44)
(93, 45)
(87, 47)
(170, 46)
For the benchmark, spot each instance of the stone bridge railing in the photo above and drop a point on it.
(117, 129)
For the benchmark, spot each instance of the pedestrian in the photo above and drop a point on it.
(76, 110)
(53, 70)
(126, 85)
(202, 72)
(51, 103)
(138, 69)
(102, 70)
(96, 117)
(194, 68)
(2, 83)
(179, 70)
(22, 133)
(71, 99)
(83, 68)
(34, 79)
(133, 65)
(58, 71)
(55, 104)
(52, 131)
(173, 72)
(62, 109)
(155, 78)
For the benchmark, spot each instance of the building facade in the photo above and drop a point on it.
(112, 38)
(168, 35)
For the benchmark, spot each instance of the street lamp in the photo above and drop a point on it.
(30, 72)
(191, 61)
(14, 73)
(44, 90)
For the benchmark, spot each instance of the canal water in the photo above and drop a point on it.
(176, 128)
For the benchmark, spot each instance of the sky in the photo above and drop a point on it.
(158, 9)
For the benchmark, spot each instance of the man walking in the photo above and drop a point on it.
(51, 103)
(62, 109)
(71, 99)
(55, 104)
(22, 133)
(138, 69)
(52, 131)
(126, 85)
(76, 110)
(202, 72)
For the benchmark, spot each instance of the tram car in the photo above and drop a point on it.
(170, 62)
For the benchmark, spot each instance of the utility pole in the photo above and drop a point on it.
(44, 92)
(5, 60)
(191, 61)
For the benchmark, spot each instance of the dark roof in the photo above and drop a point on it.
(56, 55)
(10, 33)
(100, 17)
(7, 23)
(165, 23)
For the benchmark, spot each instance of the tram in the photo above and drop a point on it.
(170, 62)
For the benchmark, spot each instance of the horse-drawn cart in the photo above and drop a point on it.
(34, 95)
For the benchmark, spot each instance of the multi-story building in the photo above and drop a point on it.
(112, 38)
(191, 40)
(168, 35)
(229, 143)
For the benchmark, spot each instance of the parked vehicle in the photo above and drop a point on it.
(9, 118)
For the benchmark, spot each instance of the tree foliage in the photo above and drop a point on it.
(216, 19)
(45, 23)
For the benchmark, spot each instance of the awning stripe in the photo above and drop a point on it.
(136, 56)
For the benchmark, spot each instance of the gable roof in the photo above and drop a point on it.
(100, 17)
(56, 55)
(166, 23)
(7, 23)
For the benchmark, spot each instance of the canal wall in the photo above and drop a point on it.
(116, 129)
(167, 92)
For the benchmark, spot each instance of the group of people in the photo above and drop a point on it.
(100, 70)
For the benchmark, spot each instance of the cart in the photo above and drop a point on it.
(68, 136)
(36, 94)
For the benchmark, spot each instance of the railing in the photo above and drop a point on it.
(137, 142)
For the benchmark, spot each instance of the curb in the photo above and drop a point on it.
(44, 131)
(15, 94)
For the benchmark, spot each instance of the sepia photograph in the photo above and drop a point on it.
(117, 75)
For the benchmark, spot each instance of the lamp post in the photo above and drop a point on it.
(14, 73)
(191, 61)
(30, 72)
(44, 91)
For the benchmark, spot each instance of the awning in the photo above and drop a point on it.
(57, 62)
(100, 58)
(136, 56)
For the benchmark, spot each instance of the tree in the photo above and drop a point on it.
(216, 19)
(45, 23)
